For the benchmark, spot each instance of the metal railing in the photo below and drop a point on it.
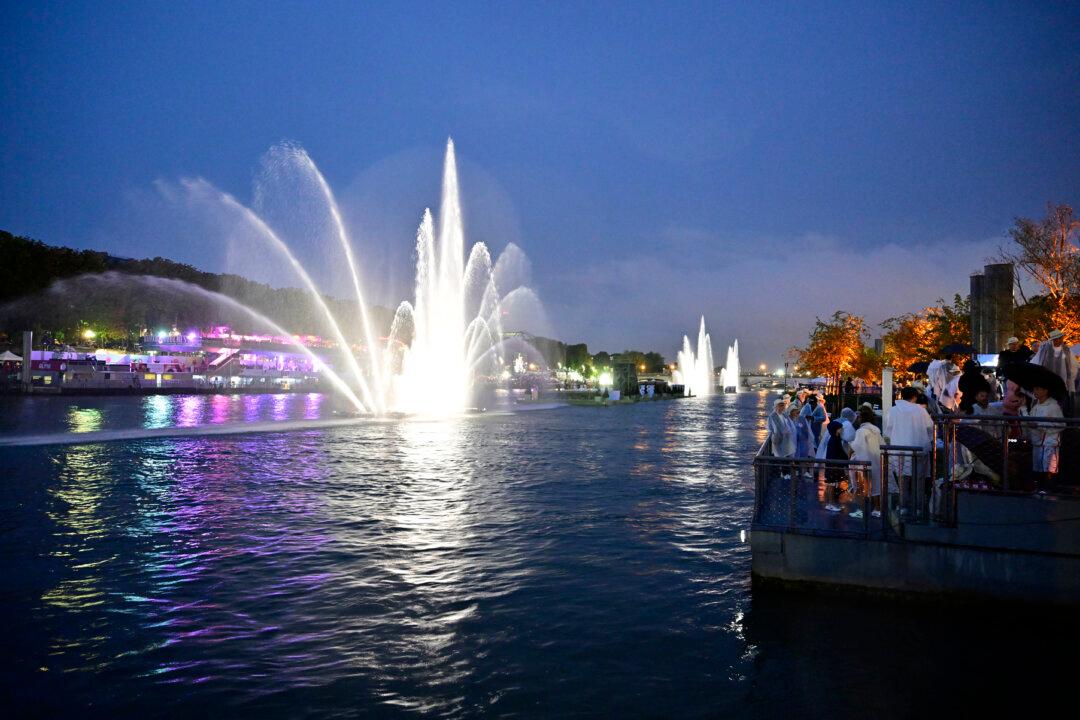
(830, 497)
(908, 492)
(918, 486)
(995, 453)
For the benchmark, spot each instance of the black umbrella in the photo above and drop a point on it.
(918, 367)
(1028, 375)
(957, 349)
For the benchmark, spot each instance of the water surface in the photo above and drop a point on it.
(567, 562)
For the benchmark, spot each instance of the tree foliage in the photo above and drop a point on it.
(915, 337)
(578, 358)
(1047, 251)
(836, 347)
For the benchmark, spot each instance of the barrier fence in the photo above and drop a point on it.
(987, 453)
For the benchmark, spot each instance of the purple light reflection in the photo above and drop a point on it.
(312, 406)
(253, 407)
(280, 408)
(191, 411)
(230, 527)
(219, 409)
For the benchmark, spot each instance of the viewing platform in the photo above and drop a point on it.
(965, 520)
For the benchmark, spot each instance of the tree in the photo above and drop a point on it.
(1047, 251)
(868, 365)
(915, 337)
(578, 358)
(655, 362)
(836, 346)
(949, 323)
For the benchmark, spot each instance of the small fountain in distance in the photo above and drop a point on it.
(695, 371)
(729, 374)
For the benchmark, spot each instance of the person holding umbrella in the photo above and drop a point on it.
(1048, 389)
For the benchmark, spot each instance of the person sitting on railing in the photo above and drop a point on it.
(1045, 437)
(867, 446)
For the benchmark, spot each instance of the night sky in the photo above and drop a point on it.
(760, 165)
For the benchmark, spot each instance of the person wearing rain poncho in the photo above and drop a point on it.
(781, 431)
(803, 446)
(1045, 437)
(944, 380)
(867, 446)
(1056, 356)
(815, 414)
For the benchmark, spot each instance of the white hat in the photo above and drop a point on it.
(1012, 340)
(1055, 334)
(778, 401)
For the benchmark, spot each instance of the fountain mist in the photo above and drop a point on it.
(441, 345)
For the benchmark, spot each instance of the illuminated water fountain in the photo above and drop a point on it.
(695, 369)
(444, 343)
(729, 374)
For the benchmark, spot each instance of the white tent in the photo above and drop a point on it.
(9, 356)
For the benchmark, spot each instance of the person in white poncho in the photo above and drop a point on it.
(908, 424)
(781, 431)
(1056, 356)
(1045, 437)
(867, 446)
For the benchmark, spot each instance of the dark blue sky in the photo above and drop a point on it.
(759, 163)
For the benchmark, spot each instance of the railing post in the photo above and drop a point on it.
(1005, 456)
(793, 506)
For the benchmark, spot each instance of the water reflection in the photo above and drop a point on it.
(84, 477)
(191, 410)
(312, 405)
(252, 407)
(219, 409)
(534, 564)
(81, 420)
(158, 411)
(280, 407)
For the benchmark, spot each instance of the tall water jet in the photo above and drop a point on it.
(695, 370)
(441, 344)
(729, 374)
(455, 312)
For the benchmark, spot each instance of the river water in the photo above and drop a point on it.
(561, 562)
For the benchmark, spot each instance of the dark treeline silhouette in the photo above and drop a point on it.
(59, 293)
(62, 292)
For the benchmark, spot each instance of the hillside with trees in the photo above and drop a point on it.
(60, 291)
